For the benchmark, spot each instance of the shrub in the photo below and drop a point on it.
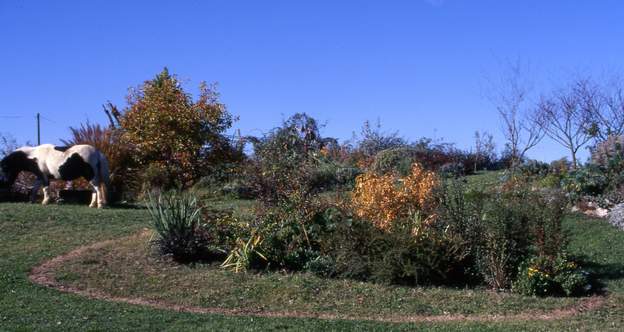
(411, 251)
(223, 181)
(284, 160)
(455, 169)
(322, 265)
(500, 229)
(395, 160)
(560, 167)
(589, 180)
(418, 252)
(372, 140)
(551, 181)
(290, 229)
(385, 198)
(505, 240)
(430, 156)
(543, 276)
(462, 210)
(534, 168)
(176, 219)
(546, 210)
(324, 174)
(604, 151)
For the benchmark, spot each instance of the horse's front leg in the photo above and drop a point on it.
(46, 195)
(46, 190)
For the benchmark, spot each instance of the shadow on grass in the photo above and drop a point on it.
(599, 273)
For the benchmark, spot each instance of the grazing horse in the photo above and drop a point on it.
(50, 162)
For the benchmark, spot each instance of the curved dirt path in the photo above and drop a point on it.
(43, 274)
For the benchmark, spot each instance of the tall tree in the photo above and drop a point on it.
(171, 133)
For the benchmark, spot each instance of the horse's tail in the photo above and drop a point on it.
(104, 174)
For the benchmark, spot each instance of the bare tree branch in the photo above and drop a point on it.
(511, 96)
(604, 102)
(564, 116)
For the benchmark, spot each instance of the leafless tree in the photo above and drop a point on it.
(511, 96)
(604, 102)
(564, 116)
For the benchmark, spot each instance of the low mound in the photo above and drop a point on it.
(126, 270)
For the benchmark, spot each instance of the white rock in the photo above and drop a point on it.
(616, 216)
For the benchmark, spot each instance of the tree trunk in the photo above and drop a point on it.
(574, 162)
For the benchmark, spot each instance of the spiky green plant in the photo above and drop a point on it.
(175, 217)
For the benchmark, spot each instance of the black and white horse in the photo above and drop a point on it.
(50, 162)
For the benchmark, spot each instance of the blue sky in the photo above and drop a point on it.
(418, 66)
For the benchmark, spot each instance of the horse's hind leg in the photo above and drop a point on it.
(101, 199)
(97, 198)
(102, 196)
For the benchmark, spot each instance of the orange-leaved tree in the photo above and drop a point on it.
(171, 134)
(385, 198)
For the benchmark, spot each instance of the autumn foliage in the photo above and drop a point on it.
(169, 133)
(385, 198)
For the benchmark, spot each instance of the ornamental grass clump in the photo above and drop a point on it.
(176, 219)
(383, 199)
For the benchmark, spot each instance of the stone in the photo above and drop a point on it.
(616, 216)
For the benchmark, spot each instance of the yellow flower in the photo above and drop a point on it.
(532, 271)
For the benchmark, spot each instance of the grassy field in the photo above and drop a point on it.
(31, 234)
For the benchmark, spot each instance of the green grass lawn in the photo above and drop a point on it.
(484, 179)
(31, 234)
(130, 269)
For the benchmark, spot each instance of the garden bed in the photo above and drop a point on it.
(128, 269)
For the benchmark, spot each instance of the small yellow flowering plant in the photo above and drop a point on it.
(545, 276)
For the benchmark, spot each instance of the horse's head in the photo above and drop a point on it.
(11, 165)
(4, 177)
